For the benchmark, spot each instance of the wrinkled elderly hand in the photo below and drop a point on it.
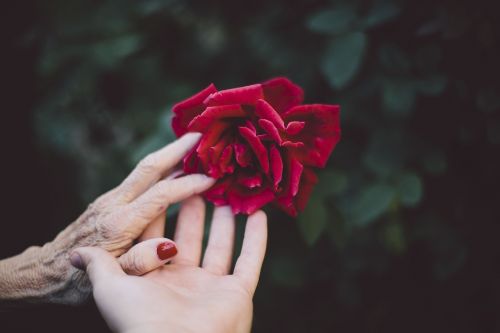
(133, 210)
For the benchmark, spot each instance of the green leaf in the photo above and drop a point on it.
(343, 58)
(386, 152)
(336, 228)
(394, 59)
(332, 182)
(410, 189)
(381, 13)
(399, 97)
(371, 203)
(333, 21)
(394, 238)
(312, 221)
(108, 53)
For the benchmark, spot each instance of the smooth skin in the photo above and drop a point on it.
(189, 294)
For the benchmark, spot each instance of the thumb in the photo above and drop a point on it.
(147, 256)
(98, 263)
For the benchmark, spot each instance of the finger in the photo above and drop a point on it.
(147, 256)
(219, 250)
(155, 229)
(189, 231)
(249, 263)
(155, 201)
(98, 263)
(154, 166)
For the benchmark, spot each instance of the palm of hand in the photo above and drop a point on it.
(207, 294)
(185, 296)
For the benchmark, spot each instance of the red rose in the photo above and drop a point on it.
(259, 142)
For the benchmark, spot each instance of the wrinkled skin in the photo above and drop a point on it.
(259, 142)
(134, 210)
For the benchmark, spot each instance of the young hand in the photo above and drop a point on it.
(189, 294)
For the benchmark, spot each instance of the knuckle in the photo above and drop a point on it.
(149, 164)
(134, 265)
(107, 230)
(93, 206)
(163, 192)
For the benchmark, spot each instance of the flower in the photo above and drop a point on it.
(259, 142)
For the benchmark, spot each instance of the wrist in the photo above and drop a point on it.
(19, 276)
(157, 328)
(42, 275)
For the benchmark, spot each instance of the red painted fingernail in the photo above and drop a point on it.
(166, 250)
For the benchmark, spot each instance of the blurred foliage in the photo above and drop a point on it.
(388, 225)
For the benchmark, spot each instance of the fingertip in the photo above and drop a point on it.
(207, 178)
(191, 137)
(259, 215)
(147, 256)
(76, 260)
(224, 209)
(202, 180)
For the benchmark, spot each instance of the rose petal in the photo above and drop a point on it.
(295, 172)
(242, 154)
(282, 94)
(217, 194)
(257, 147)
(247, 201)
(250, 181)
(242, 95)
(270, 129)
(292, 181)
(189, 108)
(220, 157)
(264, 137)
(250, 125)
(290, 144)
(225, 160)
(191, 162)
(320, 134)
(203, 121)
(276, 166)
(294, 127)
(215, 151)
(308, 181)
(209, 139)
(265, 111)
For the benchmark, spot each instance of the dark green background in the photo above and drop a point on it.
(401, 232)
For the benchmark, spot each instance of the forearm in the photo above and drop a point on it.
(40, 275)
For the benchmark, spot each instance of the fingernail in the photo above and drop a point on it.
(76, 261)
(166, 250)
